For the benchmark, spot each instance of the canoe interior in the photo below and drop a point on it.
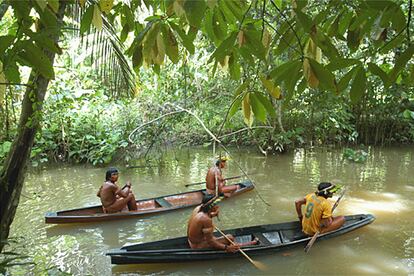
(148, 205)
(268, 235)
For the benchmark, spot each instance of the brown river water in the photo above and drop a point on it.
(382, 186)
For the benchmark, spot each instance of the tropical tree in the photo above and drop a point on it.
(337, 47)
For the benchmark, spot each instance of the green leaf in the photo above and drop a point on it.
(97, 18)
(54, 5)
(225, 48)
(358, 87)
(171, 43)
(408, 114)
(11, 71)
(284, 71)
(343, 83)
(254, 42)
(194, 11)
(137, 57)
(86, 20)
(5, 42)
(37, 59)
(234, 67)
(324, 42)
(219, 25)
(267, 104)
(42, 4)
(258, 109)
(304, 20)
(187, 42)
(285, 41)
(235, 106)
(325, 77)
(341, 63)
(401, 62)
(45, 42)
(376, 70)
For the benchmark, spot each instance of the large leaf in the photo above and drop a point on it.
(54, 5)
(137, 57)
(219, 25)
(225, 48)
(86, 20)
(12, 72)
(309, 74)
(234, 67)
(194, 11)
(325, 77)
(266, 103)
(341, 63)
(235, 106)
(185, 40)
(359, 84)
(376, 70)
(271, 88)
(37, 59)
(282, 72)
(97, 18)
(401, 62)
(247, 110)
(259, 110)
(5, 42)
(344, 82)
(304, 20)
(170, 44)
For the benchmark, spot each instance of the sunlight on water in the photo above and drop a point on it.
(357, 205)
(380, 187)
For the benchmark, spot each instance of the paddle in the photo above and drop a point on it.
(313, 239)
(228, 178)
(257, 264)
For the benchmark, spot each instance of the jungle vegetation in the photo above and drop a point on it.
(77, 78)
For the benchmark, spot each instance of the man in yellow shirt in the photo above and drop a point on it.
(318, 211)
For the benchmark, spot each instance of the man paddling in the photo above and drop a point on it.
(200, 228)
(113, 198)
(318, 210)
(215, 180)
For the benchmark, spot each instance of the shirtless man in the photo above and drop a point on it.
(113, 198)
(214, 176)
(200, 228)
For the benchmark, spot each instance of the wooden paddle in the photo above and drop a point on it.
(257, 264)
(313, 239)
(228, 178)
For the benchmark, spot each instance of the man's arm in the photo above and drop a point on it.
(298, 205)
(208, 229)
(124, 192)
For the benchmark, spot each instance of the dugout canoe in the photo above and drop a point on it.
(150, 206)
(272, 238)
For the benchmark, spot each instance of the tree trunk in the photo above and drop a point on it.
(13, 173)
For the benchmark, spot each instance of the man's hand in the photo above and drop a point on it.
(128, 184)
(233, 248)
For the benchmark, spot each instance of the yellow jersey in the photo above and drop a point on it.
(316, 209)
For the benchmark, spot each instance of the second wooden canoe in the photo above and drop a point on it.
(150, 206)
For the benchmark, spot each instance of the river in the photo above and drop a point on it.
(382, 186)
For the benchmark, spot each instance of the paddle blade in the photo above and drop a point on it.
(260, 266)
(311, 242)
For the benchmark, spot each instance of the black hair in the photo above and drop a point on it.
(322, 189)
(109, 172)
(206, 207)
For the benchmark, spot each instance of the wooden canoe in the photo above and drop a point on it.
(150, 206)
(272, 238)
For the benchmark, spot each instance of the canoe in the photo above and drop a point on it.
(150, 206)
(272, 238)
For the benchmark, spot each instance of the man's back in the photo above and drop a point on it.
(107, 193)
(316, 209)
(196, 224)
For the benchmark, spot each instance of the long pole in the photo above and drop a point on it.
(258, 265)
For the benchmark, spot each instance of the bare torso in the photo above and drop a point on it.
(212, 174)
(107, 193)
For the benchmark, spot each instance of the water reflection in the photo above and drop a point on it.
(382, 186)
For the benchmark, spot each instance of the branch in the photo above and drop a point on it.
(150, 122)
(409, 20)
(244, 129)
(14, 83)
(290, 26)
